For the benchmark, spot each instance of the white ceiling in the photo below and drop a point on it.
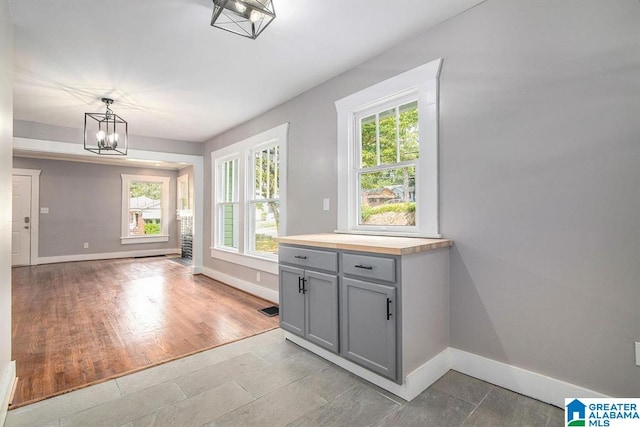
(174, 76)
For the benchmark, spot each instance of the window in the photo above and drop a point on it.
(264, 200)
(228, 204)
(249, 193)
(388, 156)
(183, 199)
(145, 209)
(389, 152)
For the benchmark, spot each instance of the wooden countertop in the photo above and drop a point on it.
(366, 243)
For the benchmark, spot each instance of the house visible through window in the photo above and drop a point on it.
(145, 214)
(388, 156)
(249, 186)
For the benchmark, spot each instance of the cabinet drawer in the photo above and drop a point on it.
(309, 258)
(369, 267)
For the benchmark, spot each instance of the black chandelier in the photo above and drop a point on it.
(106, 133)
(247, 18)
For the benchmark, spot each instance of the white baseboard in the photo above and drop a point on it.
(252, 288)
(532, 384)
(109, 255)
(6, 389)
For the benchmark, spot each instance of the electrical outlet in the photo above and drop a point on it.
(44, 210)
(637, 353)
(257, 276)
(86, 246)
(325, 204)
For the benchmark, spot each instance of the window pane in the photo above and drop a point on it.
(229, 181)
(408, 129)
(267, 176)
(266, 217)
(388, 134)
(368, 139)
(183, 194)
(229, 225)
(387, 197)
(145, 208)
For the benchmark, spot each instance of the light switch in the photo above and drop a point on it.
(325, 204)
(44, 210)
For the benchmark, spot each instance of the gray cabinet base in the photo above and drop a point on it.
(414, 384)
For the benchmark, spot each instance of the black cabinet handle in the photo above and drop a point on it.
(300, 279)
(388, 308)
(366, 267)
(304, 290)
(300, 257)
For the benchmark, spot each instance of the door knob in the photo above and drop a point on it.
(26, 227)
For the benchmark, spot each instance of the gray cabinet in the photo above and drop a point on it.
(309, 299)
(291, 300)
(369, 325)
(393, 300)
(321, 321)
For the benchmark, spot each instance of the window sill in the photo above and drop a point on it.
(143, 239)
(251, 261)
(391, 233)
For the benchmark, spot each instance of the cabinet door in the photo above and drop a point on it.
(321, 326)
(369, 325)
(291, 300)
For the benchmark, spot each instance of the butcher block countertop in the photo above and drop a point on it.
(365, 243)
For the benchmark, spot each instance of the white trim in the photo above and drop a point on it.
(246, 260)
(77, 150)
(7, 383)
(108, 255)
(243, 285)
(132, 240)
(529, 383)
(415, 383)
(422, 80)
(35, 210)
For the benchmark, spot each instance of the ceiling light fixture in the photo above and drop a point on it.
(247, 18)
(110, 130)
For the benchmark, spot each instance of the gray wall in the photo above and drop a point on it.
(540, 165)
(33, 130)
(6, 145)
(85, 205)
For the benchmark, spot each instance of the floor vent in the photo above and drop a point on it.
(270, 311)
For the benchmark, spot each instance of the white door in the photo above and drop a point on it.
(21, 225)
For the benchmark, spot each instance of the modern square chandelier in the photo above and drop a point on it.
(106, 133)
(247, 18)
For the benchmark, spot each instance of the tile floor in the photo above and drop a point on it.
(267, 381)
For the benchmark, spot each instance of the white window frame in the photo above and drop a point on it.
(125, 239)
(244, 151)
(421, 82)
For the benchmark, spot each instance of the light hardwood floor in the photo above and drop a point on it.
(81, 323)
